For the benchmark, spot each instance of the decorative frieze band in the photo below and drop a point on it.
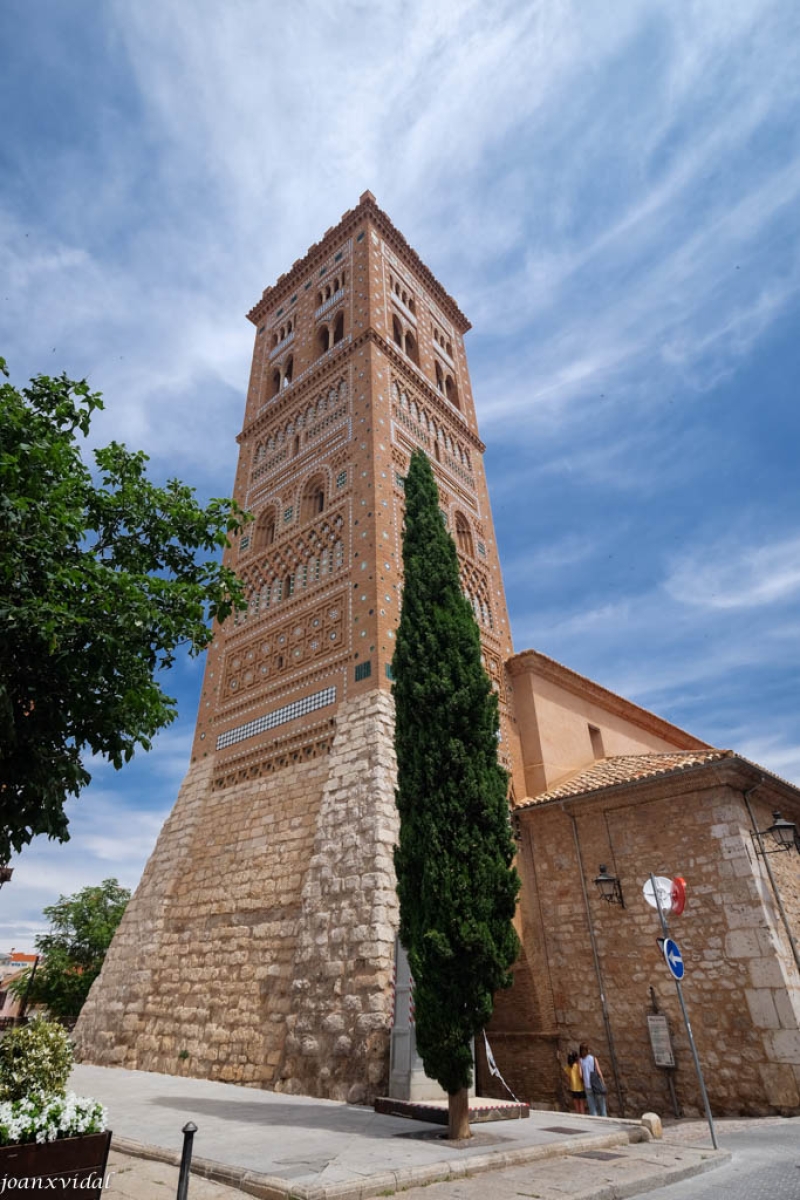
(279, 716)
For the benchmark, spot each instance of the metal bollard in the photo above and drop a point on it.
(188, 1131)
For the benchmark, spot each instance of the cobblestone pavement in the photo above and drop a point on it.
(765, 1163)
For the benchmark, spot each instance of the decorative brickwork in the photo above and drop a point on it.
(261, 938)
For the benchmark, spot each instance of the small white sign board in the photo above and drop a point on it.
(660, 1041)
(664, 887)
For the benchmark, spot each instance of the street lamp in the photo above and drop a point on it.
(5, 873)
(782, 832)
(609, 886)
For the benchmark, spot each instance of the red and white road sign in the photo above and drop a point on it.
(678, 895)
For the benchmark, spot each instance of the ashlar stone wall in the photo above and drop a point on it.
(741, 981)
(258, 947)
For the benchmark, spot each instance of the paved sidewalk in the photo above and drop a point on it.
(277, 1146)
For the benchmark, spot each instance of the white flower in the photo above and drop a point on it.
(46, 1118)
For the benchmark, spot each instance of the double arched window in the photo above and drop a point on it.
(281, 377)
(405, 339)
(330, 335)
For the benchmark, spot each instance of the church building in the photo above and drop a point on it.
(259, 947)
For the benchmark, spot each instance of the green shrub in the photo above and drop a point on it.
(35, 1059)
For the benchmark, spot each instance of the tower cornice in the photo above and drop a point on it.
(367, 207)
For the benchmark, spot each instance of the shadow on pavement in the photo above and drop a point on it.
(350, 1120)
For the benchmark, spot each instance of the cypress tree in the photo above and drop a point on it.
(455, 882)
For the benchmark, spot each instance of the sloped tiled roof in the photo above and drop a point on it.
(627, 768)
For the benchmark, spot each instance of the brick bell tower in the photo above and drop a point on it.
(259, 946)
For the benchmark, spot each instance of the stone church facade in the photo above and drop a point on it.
(259, 946)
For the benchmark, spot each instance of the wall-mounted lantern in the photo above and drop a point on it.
(609, 886)
(783, 834)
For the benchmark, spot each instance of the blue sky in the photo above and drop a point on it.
(611, 195)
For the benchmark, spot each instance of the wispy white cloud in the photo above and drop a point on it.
(729, 574)
(610, 194)
(111, 837)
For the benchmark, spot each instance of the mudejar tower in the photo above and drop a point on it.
(259, 946)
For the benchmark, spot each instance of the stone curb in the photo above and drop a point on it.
(270, 1187)
(708, 1160)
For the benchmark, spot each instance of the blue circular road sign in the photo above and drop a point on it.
(673, 958)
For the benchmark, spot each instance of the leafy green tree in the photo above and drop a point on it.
(102, 578)
(81, 929)
(456, 885)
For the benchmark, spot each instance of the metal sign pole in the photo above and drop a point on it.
(686, 1022)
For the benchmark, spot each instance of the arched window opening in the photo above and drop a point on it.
(288, 586)
(275, 340)
(439, 378)
(338, 328)
(344, 278)
(275, 386)
(463, 535)
(296, 447)
(320, 299)
(449, 349)
(289, 327)
(411, 349)
(411, 305)
(288, 372)
(265, 529)
(328, 292)
(323, 339)
(451, 391)
(404, 297)
(336, 284)
(313, 499)
(397, 332)
(436, 453)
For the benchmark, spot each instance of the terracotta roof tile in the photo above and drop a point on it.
(626, 768)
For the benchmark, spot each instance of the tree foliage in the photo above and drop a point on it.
(81, 929)
(102, 576)
(455, 881)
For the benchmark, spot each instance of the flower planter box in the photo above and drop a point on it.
(65, 1167)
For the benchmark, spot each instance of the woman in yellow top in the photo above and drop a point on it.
(575, 1083)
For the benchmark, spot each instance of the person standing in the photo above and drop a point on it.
(577, 1091)
(593, 1082)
